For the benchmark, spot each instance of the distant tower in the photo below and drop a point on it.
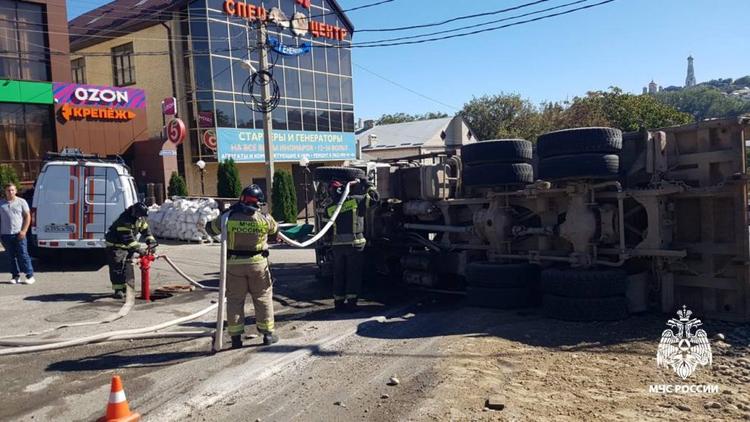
(690, 79)
(645, 90)
(652, 87)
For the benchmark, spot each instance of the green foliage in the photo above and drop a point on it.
(284, 198)
(511, 116)
(388, 119)
(704, 102)
(177, 186)
(8, 175)
(228, 180)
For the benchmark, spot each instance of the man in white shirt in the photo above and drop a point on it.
(15, 220)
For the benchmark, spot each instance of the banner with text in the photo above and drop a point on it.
(246, 145)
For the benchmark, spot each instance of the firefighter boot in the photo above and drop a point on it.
(351, 305)
(119, 294)
(236, 342)
(339, 306)
(270, 338)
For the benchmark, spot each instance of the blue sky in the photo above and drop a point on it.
(625, 43)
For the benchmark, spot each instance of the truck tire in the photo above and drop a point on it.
(342, 174)
(582, 166)
(494, 275)
(499, 151)
(585, 309)
(508, 298)
(584, 283)
(603, 140)
(497, 174)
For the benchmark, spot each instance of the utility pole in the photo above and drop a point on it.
(266, 96)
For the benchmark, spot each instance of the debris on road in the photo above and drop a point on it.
(393, 381)
(385, 396)
(495, 403)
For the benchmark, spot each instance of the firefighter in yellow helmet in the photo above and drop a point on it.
(248, 230)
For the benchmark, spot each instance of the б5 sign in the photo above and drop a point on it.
(176, 131)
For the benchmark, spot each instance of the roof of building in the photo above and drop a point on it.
(122, 17)
(404, 135)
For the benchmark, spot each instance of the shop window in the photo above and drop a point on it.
(308, 85)
(291, 78)
(294, 118)
(123, 65)
(23, 41)
(334, 89)
(26, 134)
(335, 121)
(245, 118)
(309, 120)
(78, 70)
(348, 120)
(215, 4)
(278, 117)
(202, 65)
(199, 33)
(287, 6)
(222, 73)
(347, 96)
(333, 60)
(324, 120)
(290, 61)
(345, 61)
(319, 58)
(321, 87)
(223, 96)
(224, 114)
(238, 41)
(219, 38)
(240, 75)
(305, 61)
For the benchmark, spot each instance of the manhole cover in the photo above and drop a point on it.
(72, 316)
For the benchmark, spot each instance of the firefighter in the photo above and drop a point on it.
(248, 230)
(122, 244)
(348, 241)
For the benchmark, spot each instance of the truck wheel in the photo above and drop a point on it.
(493, 174)
(342, 174)
(585, 309)
(584, 283)
(506, 298)
(494, 275)
(582, 166)
(603, 140)
(499, 151)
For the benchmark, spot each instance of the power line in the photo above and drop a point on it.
(477, 25)
(405, 87)
(477, 15)
(465, 34)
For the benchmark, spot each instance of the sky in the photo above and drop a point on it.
(626, 43)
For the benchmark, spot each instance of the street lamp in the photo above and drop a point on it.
(202, 166)
(304, 162)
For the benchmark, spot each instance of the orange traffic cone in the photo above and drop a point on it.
(117, 408)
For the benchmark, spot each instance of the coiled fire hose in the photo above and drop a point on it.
(328, 225)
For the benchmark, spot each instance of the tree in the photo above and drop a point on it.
(284, 197)
(177, 185)
(502, 116)
(228, 180)
(388, 119)
(704, 102)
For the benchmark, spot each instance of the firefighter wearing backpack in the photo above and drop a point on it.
(248, 230)
(348, 241)
(122, 245)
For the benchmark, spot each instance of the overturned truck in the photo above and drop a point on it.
(591, 224)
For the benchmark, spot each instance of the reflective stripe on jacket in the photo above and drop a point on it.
(247, 236)
(349, 227)
(123, 232)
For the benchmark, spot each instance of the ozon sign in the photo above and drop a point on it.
(95, 95)
(105, 96)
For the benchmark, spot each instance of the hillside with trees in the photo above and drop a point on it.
(711, 99)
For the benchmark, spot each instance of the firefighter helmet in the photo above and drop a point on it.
(252, 196)
(139, 209)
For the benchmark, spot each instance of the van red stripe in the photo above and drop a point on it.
(72, 207)
(90, 213)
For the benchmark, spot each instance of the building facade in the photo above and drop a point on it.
(207, 42)
(34, 47)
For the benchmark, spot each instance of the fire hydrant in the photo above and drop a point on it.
(145, 264)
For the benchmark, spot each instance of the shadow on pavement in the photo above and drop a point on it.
(62, 260)
(116, 361)
(68, 297)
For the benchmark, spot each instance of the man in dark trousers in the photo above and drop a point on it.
(248, 230)
(122, 245)
(348, 241)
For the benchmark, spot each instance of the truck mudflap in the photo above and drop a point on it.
(710, 219)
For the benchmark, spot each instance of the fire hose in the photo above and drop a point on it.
(328, 225)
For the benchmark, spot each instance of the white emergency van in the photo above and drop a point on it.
(76, 198)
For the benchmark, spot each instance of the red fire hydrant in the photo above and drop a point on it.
(145, 264)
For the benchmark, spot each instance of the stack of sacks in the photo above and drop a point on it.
(182, 219)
